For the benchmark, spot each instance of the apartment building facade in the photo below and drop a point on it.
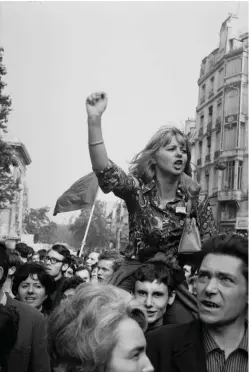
(220, 143)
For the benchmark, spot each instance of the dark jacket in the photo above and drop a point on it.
(177, 348)
(30, 352)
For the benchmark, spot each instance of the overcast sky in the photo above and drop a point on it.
(145, 55)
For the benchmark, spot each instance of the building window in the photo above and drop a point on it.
(239, 183)
(232, 102)
(221, 78)
(229, 138)
(212, 83)
(244, 102)
(203, 91)
(231, 211)
(234, 67)
(242, 140)
(219, 110)
(229, 181)
(200, 149)
(217, 141)
(202, 121)
(215, 178)
(210, 114)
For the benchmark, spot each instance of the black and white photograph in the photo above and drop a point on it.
(124, 186)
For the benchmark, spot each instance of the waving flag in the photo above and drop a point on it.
(80, 194)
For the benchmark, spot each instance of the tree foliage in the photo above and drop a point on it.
(8, 185)
(98, 234)
(37, 222)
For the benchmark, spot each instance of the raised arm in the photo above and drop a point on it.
(95, 105)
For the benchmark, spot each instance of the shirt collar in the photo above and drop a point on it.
(210, 344)
(152, 185)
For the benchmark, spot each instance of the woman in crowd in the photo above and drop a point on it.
(99, 329)
(70, 272)
(67, 289)
(94, 273)
(9, 324)
(35, 257)
(32, 285)
(156, 192)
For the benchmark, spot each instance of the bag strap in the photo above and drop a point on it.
(191, 208)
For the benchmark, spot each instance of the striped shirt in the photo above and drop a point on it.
(237, 361)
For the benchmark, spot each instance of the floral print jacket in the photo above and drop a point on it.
(151, 228)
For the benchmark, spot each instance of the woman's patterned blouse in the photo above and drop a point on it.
(152, 228)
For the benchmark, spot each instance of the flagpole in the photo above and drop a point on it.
(88, 224)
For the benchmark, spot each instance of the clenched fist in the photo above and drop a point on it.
(96, 104)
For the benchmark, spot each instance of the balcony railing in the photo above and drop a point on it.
(202, 100)
(216, 154)
(230, 195)
(201, 132)
(207, 158)
(210, 93)
(198, 162)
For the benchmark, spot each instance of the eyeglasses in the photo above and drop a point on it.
(52, 260)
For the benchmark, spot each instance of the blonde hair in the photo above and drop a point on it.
(143, 165)
(82, 331)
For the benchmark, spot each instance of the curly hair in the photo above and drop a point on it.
(143, 165)
(83, 331)
(32, 269)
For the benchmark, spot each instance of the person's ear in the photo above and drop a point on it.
(171, 298)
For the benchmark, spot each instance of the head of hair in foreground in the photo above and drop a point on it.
(143, 164)
(233, 245)
(163, 271)
(83, 331)
(223, 281)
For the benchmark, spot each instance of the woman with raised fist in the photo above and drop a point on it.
(156, 192)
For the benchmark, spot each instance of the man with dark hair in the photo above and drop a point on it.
(108, 263)
(14, 262)
(84, 273)
(42, 253)
(24, 251)
(155, 289)
(30, 351)
(218, 341)
(67, 289)
(57, 261)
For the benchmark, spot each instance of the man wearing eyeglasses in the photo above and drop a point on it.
(56, 263)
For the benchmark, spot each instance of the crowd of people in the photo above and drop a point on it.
(151, 309)
(55, 320)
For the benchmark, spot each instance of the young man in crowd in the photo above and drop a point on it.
(30, 351)
(14, 263)
(24, 251)
(155, 289)
(109, 262)
(84, 273)
(218, 341)
(92, 259)
(56, 262)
